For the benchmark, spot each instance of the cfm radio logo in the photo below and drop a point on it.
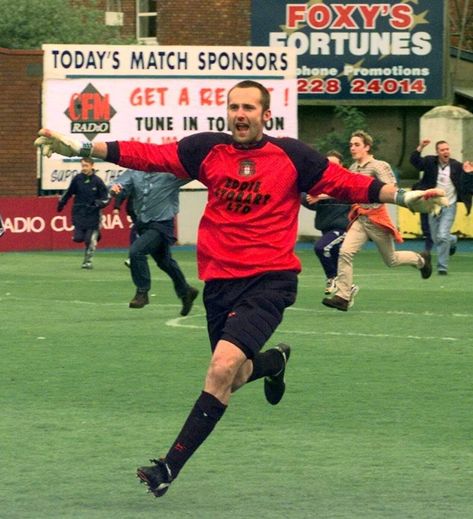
(90, 112)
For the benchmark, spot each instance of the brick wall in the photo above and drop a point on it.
(456, 11)
(129, 19)
(20, 102)
(207, 22)
(127, 7)
(188, 22)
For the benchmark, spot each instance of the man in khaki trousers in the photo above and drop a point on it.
(371, 221)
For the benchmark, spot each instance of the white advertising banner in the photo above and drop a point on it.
(83, 99)
(115, 61)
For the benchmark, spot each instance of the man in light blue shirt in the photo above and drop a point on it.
(156, 203)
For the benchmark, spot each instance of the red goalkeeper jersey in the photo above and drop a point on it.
(249, 225)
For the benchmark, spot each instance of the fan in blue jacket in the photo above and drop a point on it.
(90, 196)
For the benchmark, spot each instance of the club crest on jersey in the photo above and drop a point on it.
(247, 168)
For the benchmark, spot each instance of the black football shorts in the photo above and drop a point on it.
(246, 311)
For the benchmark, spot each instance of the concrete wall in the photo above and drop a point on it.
(452, 124)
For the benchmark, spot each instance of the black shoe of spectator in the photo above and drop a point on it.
(336, 302)
(426, 270)
(188, 300)
(140, 300)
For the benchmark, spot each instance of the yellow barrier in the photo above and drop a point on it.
(409, 223)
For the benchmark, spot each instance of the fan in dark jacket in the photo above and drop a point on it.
(90, 196)
(443, 171)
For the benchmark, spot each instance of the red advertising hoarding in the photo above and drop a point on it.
(32, 223)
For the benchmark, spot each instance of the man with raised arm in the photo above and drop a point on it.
(444, 172)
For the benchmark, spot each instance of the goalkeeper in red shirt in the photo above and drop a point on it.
(245, 248)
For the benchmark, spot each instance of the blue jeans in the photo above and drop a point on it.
(156, 244)
(440, 226)
(424, 224)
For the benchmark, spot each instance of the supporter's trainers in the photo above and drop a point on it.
(336, 302)
(426, 270)
(275, 385)
(87, 265)
(158, 477)
(353, 292)
(188, 300)
(140, 300)
(330, 286)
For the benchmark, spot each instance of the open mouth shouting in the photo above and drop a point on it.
(242, 130)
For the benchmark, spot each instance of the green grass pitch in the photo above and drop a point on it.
(377, 421)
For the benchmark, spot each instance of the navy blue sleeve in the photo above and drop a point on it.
(103, 198)
(113, 152)
(416, 160)
(374, 189)
(71, 190)
(309, 163)
(193, 149)
(423, 163)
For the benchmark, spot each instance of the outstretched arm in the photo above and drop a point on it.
(133, 155)
(99, 150)
(53, 142)
(418, 201)
(352, 187)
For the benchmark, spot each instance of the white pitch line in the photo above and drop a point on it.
(387, 312)
(8, 297)
(178, 323)
(370, 335)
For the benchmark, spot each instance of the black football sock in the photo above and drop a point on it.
(268, 363)
(205, 414)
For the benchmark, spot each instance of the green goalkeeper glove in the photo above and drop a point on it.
(53, 142)
(418, 201)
